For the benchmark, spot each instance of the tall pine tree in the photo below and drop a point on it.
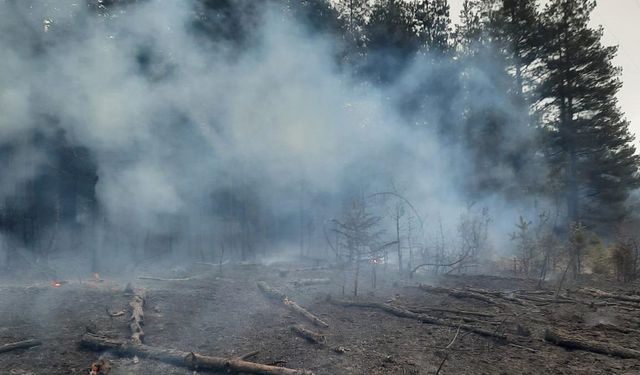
(591, 151)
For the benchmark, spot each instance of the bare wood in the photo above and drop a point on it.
(185, 359)
(424, 318)
(137, 317)
(311, 336)
(307, 282)
(574, 342)
(26, 344)
(290, 304)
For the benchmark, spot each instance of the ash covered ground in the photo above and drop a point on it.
(223, 313)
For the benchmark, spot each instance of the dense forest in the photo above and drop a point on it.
(345, 129)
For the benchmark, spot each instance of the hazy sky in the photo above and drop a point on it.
(620, 19)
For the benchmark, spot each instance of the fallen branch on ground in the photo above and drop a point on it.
(137, 317)
(307, 282)
(115, 314)
(163, 279)
(424, 318)
(185, 359)
(574, 342)
(460, 294)
(421, 310)
(291, 305)
(602, 294)
(615, 328)
(499, 294)
(311, 336)
(26, 344)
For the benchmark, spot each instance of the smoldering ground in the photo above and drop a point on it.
(176, 124)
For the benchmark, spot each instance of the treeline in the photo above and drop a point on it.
(525, 92)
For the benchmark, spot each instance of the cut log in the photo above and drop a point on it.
(185, 359)
(311, 336)
(457, 293)
(26, 344)
(573, 342)
(307, 282)
(137, 317)
(424, 318)
(290, 304)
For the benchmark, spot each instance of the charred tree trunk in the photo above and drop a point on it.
(185, 359)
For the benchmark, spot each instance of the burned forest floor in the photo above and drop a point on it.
(447, 325)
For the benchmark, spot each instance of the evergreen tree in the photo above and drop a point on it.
(353, 15)
(433, 23)
(391, 38)
(494, 129)
(591, 149)
(517, 33)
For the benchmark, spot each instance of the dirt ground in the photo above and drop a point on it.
(225, 314)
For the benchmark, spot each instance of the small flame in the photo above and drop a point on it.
(96, 276)
(376, 261)
(56, 283)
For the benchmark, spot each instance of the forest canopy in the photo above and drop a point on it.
(143, 127)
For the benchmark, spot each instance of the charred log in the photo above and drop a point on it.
(574, 342)
(185, 359)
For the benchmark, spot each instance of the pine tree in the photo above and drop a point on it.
(517, 33)
(591, 151)
(433, 23)
(353, 15)
(495, 127)
(391, 40)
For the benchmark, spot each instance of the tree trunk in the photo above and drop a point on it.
(185, 359)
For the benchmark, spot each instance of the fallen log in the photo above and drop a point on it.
(422, 310)
(163, 279)
(26, 344)
(602, 294)
(307, 282)
(573, 342)
(457, 293)
(184, 359)
(311, 336)
(424, 318)
(137, 317)
(615, 328)
(499, 294)
(290, 304)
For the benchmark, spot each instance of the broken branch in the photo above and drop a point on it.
(311, 336)
(290, 304)
(424, 318)
(26, 344)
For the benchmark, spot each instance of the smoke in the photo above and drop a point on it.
(172, 120)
